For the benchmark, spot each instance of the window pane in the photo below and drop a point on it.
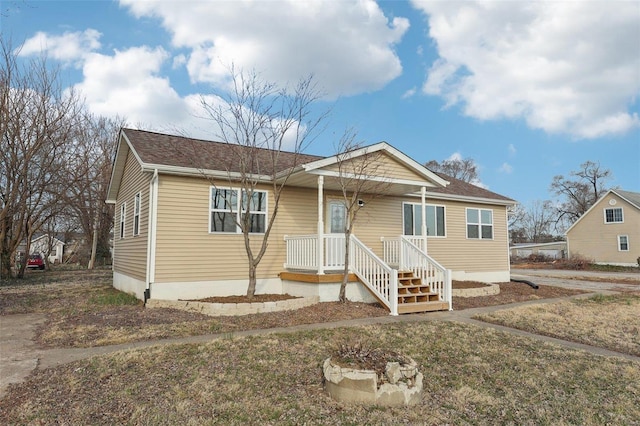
(256, 223)
(408, 219)
(473, 231)
(417, 219)
(258, 202)
(613, 215)
(487, 231)
(440, 221)
(431, 221)
(624, 243)
(472, 216)
(223, 222)
(224, 199)
(486, 217)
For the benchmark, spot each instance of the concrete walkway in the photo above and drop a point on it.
(19, 355)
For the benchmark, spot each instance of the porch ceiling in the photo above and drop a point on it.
(331, 183)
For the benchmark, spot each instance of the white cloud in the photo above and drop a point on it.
(347, 46)
(564, 67)
(128, 84)
(68, 47)
(409, 93)
(456, 156)
(506, 168)
(512, 150)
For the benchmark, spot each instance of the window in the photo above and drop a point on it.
(227, 209)
(480, 224)
(136, 215)
(123, 210)
(613, 215)
(623, 242)
(412, 218)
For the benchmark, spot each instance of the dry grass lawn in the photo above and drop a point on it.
(472, 376)
(611, 322)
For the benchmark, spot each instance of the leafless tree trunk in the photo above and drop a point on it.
(579, 193)
(260, 121)
(37, 118)
(357, 188)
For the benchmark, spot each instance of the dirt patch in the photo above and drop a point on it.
(461, 285)
(512, 293)
(258, 298)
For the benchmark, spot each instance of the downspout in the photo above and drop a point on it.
(151, 238)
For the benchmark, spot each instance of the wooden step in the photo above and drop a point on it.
(410, 308)
(418, 298)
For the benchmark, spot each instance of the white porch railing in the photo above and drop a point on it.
(408, 256)
(373, 272)
(379, 277)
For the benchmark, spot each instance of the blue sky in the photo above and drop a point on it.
(528, 90)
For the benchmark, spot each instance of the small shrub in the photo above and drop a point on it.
(575, 262)
(359, 355)
(538, 258)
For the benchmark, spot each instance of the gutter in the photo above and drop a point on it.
(151, 237)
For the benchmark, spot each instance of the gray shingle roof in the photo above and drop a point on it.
(179, 151)
(632, 197)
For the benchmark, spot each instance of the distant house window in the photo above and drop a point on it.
(136, 215)
(623, 242)
(123, 211)
(480, 224)
(227, 209)
(412, 219)
(613, 215)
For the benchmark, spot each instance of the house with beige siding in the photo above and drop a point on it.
(177, 203)
(609, 232)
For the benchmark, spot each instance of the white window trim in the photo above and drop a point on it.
(137, 206)
(479, 223)
(123, 221)
(620, 242)
(419, 234)
(604, 212)
(238, 210)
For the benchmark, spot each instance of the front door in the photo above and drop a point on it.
(334, 240)
(337, 217)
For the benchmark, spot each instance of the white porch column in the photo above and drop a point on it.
(423, 196)
(320, 225)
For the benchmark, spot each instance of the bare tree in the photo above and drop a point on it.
(464, 169)
(535, 223)
(37, 118)
(361, 179)
(259, 121)
(90, 171)
(579, 191)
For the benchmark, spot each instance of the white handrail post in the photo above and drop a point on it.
(393, 293)
(401, 265)
(448, 291)
(320, 253)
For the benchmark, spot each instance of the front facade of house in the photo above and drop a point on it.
(609, 232)
(175, 235)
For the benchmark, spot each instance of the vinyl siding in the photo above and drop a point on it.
(186, 251)
(383, 217)
(385, 166)
(130, 252)
(596, 240)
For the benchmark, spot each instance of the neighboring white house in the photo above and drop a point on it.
(53, 248)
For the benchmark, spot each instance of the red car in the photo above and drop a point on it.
(35, 261)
